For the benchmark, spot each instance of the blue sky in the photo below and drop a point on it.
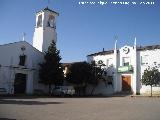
(83, 29)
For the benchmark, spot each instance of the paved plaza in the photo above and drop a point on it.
(109, 108)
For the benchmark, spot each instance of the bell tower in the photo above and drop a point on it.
(45, 29)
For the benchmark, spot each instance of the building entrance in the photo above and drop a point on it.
(20, 83)
(126, 83)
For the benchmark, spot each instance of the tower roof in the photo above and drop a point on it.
(47, 9)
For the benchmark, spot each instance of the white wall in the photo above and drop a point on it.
(137, 87)
(9, 62)
(44, 35)
(101, 87)
(153, 56)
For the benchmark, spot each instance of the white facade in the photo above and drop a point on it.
(19, 62)
(45, 29)
(9, 65)
(127, 64)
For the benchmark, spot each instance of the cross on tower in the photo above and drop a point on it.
(116, 37)
(48, 2)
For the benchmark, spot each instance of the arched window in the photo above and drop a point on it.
(51, 21)
(39, 22)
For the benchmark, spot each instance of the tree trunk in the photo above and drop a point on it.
(77, 89)
(84, 90)
(94, 87)
(49, 87)
(151, 90)
(105, 82)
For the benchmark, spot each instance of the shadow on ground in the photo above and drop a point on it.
(24, 96)
(6, 119)
(119, 94)
(22, 102)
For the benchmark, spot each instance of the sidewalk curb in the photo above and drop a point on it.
(140, 96)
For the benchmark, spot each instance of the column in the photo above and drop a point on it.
(29, 88)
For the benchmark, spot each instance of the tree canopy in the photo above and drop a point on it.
(151, 77)
(82, 73)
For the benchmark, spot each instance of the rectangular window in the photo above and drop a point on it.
(126, 61)
(109, 62)
(144, 60)
(22, 60)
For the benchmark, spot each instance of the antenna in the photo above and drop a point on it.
(116, 37)
(24, 34)
(48, 2)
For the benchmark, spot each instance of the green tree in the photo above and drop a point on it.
(98, 74)
(151, 77)
(81, 74)
(51, 71)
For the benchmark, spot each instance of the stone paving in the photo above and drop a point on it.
(109, 108)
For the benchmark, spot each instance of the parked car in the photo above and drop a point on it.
(63, 90)
(3, 91)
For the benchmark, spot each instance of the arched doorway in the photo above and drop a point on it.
(20, 83)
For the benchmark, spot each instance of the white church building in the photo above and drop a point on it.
(19, 62)
(126, 66)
